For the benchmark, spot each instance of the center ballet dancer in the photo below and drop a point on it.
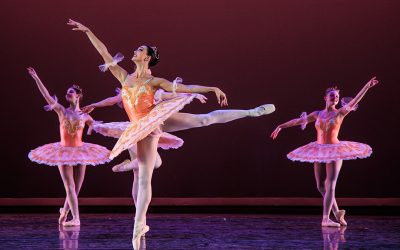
(148, 121)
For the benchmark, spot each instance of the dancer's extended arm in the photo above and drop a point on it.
(352, 104)
(110, 101)
(295, 122)
(115, 69)
(53, 104)
(171, 87)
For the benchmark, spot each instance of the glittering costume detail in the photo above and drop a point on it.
(344, 150)
(115, 130)
(70, 150)
(328, 130)
(145, 117)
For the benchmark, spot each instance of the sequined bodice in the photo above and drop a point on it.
(71, 130)
(328, 129)
(138, 100)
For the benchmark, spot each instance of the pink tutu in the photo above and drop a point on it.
(115, 130)
(344, 150)
(55, 154)
(139, 129)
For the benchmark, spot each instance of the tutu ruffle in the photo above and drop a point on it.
(115, 130)
(55, 154)
(344, 150)
(137, 130)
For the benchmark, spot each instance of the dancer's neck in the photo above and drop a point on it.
(141, 71)
(330, 108)
(75, 106)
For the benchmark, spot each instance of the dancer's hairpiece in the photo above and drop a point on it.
(334, 88)
(77, 88)
(152, 51)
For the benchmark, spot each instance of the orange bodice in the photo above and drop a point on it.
(71, 131)
(138, 100)
(328, 129)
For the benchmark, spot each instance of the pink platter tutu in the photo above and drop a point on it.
(150, 123)
(344, 150)
(55, 154)
(115, 130)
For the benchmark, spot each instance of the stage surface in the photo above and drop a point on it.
(199, 231)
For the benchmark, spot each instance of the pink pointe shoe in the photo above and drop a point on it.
(326, 222)
(339, 215)
(72, 223)
(124, 166)
(63, 216)
(138, 232)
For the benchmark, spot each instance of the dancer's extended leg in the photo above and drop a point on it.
(183, 121)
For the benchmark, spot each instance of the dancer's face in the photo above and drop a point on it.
(140, 55)
(332, 98)
(72, 96)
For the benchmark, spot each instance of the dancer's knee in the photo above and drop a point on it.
(70, 188)
(330, 187)
(205, 120)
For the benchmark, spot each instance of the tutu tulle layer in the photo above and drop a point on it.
(115, 130)
(137, 130)
(55, 154)
(344, 150)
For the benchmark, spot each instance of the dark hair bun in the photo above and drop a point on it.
(153, 53)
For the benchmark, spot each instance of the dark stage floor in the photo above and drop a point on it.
(199, 231)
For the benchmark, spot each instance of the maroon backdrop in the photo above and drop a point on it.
(281, 52)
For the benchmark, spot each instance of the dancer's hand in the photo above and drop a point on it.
(221, 97)
(32, 72)
(276, 132)
(88, 109)
(78, 26)
(201, 98)
(372, 82)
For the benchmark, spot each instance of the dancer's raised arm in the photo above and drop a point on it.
(53, 104)
(115, 69)
(352, 104)
(295, 122)
(178, 87)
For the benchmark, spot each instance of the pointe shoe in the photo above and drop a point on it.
(262, 110)
(72, 223)
(124, 166)
(339, 215)
(329, 223)
(138, 232)
(63, 216)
